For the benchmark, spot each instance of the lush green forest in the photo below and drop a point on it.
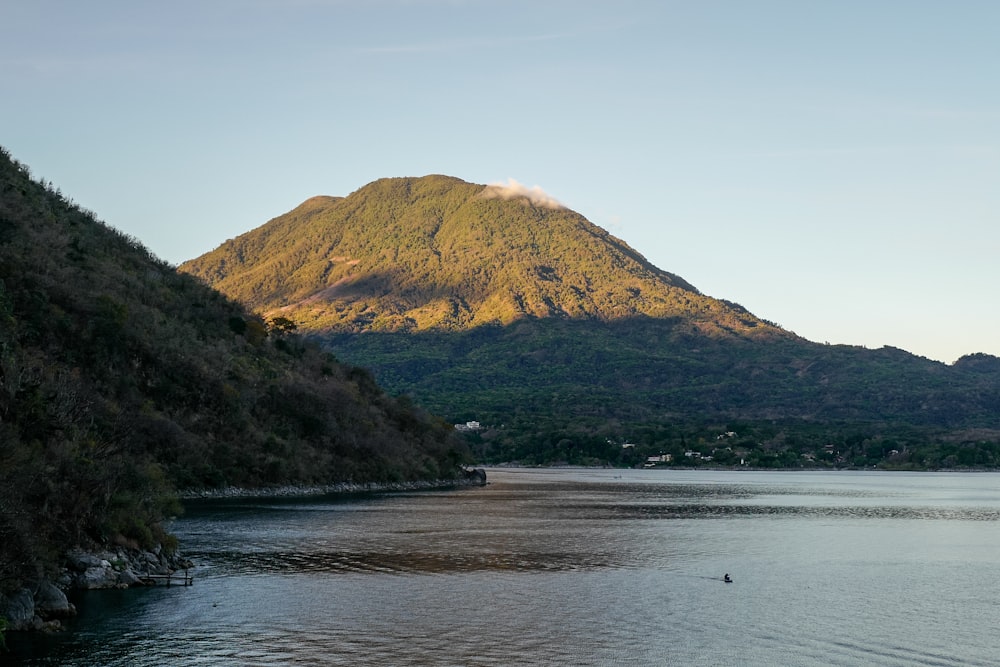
(561, 391)
(123, 381)
(568, 343)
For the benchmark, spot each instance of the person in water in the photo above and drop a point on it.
(727, 579)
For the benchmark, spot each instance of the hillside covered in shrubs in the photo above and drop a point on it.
(123, 381)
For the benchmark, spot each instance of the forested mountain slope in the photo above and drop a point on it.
(122, 380)
(514, 311)
(437, 253)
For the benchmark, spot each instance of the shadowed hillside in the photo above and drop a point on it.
(122, 380)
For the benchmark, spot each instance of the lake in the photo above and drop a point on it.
(574, 567)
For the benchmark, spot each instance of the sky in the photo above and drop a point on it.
(831, 165)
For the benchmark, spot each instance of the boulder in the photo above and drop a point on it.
(101, 576)
(51, 603)
(128, 578)
(474, 476)
(80, 560)
(18, 608)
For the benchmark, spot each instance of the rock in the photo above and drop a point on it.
(51, 603)
(18, 608)
(121, 568)
(475, 476)
(102, 576)
(81, 561)
(39, 625)
(41, 607)
(64, 580)
(127, 578)
(180, 563)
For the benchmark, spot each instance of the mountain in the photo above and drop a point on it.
(436, 253)
(489, 305)
(123, 381)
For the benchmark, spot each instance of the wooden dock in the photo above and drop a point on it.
(178, 578)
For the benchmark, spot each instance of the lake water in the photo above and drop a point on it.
(575, 567)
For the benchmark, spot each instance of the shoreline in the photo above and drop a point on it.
(737, 468)
(42, 605)
(472, 477)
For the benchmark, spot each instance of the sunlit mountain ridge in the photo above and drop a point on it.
(501, 307)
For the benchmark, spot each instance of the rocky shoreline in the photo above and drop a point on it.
(43, 605)
(470, 477)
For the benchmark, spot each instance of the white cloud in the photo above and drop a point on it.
(512, 189)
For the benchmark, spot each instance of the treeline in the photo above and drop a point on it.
(122, 381)
(778, 444)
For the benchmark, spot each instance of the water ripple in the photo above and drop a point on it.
(709, 511)
(394, 563)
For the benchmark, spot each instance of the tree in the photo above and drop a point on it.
(283, 325)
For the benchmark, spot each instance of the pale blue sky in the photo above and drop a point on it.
(834, 166)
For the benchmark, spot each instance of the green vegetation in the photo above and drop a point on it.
(568, 342)
(432, 254)
(756, 444)
(122, 381)
(643, 369)
(571, 392)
